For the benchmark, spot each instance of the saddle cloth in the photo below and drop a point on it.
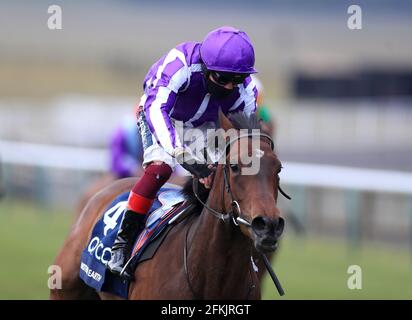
(168, 204)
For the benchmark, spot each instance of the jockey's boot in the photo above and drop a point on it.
(140, 201)
(131, 226)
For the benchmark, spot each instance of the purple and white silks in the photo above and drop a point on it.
(175, 89)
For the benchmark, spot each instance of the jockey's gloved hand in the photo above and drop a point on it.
(192, 164)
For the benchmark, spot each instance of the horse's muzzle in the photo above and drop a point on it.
(267, 231)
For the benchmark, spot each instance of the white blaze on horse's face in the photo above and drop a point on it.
(260, 153)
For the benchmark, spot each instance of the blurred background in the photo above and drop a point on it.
(341, 100)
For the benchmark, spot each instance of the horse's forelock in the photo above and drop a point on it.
(242, 120)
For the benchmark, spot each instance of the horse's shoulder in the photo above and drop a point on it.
(111, 191)
(101, 199)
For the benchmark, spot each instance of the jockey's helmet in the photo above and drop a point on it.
(228, 49)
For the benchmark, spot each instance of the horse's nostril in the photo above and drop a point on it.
(279, 227)
(258, 224)
(268, 226)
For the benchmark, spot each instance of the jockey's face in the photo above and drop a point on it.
(217, 90)
(221, 84)
(224, 78)
(228, 86)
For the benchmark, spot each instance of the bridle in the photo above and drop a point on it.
(231, 215)
(235, 207)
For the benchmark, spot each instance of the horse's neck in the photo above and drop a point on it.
(223, 254)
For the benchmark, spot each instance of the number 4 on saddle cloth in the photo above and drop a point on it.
(168, 208)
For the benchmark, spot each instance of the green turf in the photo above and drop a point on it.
(29, 239)
(308, 268)
(317, 269)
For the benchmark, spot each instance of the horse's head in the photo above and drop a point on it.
(252, 192)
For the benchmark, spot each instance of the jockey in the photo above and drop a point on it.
(126, 150)
(187, 85)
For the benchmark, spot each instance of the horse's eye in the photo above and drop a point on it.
(235, 168)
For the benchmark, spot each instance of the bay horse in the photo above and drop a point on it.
(211, 254)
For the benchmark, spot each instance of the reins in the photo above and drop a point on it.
(226, 186)
(234, 207)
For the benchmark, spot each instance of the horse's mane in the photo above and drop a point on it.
(240, 120)
(188, 193)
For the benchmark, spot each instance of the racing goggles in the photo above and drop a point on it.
(223, 78)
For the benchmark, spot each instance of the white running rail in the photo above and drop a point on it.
(303, 174)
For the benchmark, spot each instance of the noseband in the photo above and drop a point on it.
(235, 207)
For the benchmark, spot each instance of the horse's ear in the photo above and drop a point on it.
(224, 121)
